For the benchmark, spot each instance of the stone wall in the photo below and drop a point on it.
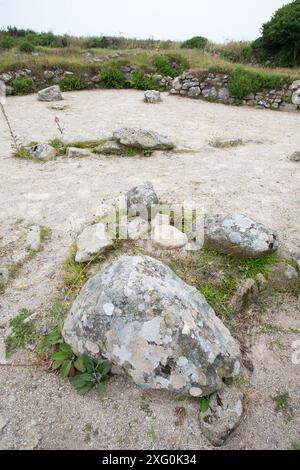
(200, 83)
(55, 76)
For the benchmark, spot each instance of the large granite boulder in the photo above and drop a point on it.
(144, 139)
(51, 93)
(239, 235)
(147, 322)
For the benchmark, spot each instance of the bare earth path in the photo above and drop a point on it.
(41, 410)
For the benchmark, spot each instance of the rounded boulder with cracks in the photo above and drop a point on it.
(150, 324)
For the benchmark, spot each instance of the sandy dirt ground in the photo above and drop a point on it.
(41, 410)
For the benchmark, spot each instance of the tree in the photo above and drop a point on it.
(197, 42)
(281, 35)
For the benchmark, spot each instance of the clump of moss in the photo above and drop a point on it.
(22, 333)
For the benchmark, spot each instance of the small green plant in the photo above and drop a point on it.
(171, 65)
(263, 265)
(7, 43)
(72, 82)
(63, 360)
(204, 404)
(26, 47)
(93, 374)
(22, 333)
(219, 297)
(22, 86)
(296, 445)
(22, 152)
(197, 42)
(282, 404)
(74, 274)
(112, 77)
(45, 234)
(143, 81)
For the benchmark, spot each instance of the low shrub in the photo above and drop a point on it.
(7, 43)
(100, 42)
(170, 64)
(197, 42)
(72, 82)
(142, 81)
(26, 47)
(242, 82)
(22, 86)
(112, 77)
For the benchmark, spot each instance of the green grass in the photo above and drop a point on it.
(282, 404)
(74, 275)
(22, 333)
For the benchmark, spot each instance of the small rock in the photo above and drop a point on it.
(295, 157)
(168, 237)
(246, 294)
(152, 96)
(194, 91)
(223, 416)
(135, 229)
(34, 238)
(223, 94)
(43, 152)
(93, 241)
(295, 85)
(51, 93)
(73, 152)
(58, 106)
(110, 148)
(291, 273)
(143, 139)
(296, 98)
(143, 201)
(239, 235)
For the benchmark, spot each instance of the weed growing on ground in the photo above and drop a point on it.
(282, 404)
(22, 333)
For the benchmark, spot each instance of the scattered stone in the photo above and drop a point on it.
(93, 241)
(51, 93)
(239, 235)
(110, 148)
(296, 97)
(295, 157)
(291, 273)
(168, 237)
(245, 295)
(148, 323)
(143, 139)
(143, 201)
(223, 415)
(152, 96)
(48, 74)
(261, 281)
(34, 238)
(194, 91)
(74, 152)
(136, 228)
(42, 152)
(58, 106)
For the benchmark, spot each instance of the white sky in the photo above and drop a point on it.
(219, 20)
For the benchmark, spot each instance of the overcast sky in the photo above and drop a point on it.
(219, 20)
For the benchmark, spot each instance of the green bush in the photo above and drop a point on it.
(100, 42)
(26, 47)
(22, 86)
(242, 82)
(7, 43)
(170, 64)
(142, 81)
(197, 42)
(280, 40)
(72, 82)
(112, 77)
